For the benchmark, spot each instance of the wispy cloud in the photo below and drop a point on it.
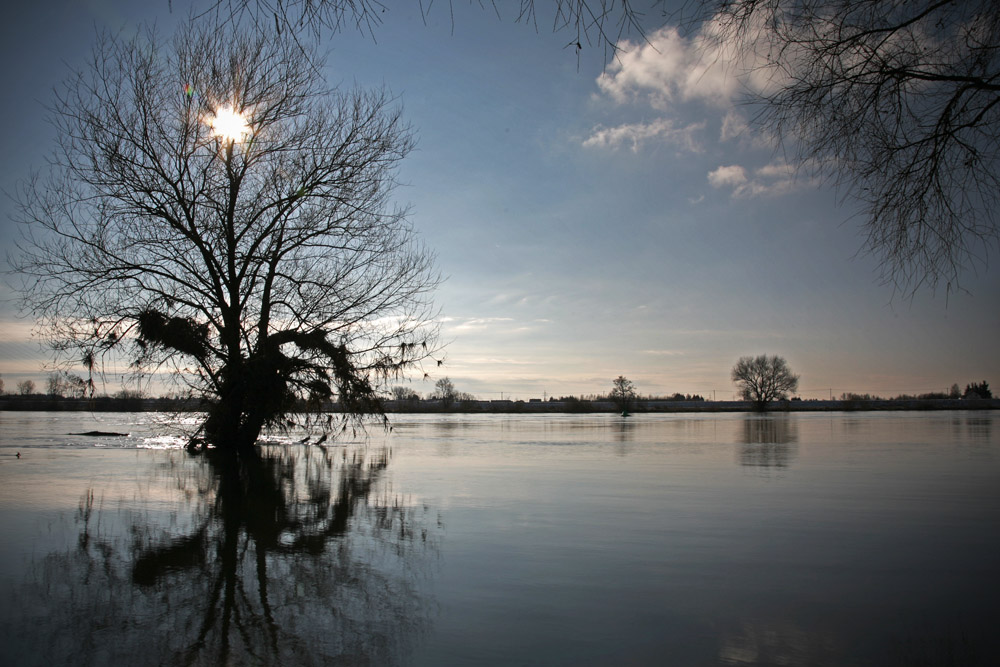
(16, 330)
(493, 326)
(734, 126)
(727, 333)
(495, 361)
(635, 135)
(664, 353)
(475, 323)
(771, 180)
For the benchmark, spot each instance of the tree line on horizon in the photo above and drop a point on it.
(973, 390)
(63, 386)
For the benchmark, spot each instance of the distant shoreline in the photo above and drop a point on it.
(535, 406)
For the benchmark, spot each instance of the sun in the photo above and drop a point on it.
(229, 125)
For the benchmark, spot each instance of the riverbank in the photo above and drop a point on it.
(584, 406)
(572, 406)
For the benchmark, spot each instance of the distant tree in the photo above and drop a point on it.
(467, 401)
(574, 404)
(404, 394)
(763, 379)
(852, 396)
(75, 386)
(26, 387)
(130, 394)
(978, 390)
(214, 207)
(955, 391)
(678, 396)
(623, 394)
(897, 102)
(63, 384)
(54, 385)
(1, 385)
(444, 391)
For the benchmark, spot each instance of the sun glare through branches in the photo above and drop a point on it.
(229, 124)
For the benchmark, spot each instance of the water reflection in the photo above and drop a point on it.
(768, 441)
(624, 436)
(977, 429)
(296, 556)
(778, 642)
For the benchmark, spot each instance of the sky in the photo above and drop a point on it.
(593, 216)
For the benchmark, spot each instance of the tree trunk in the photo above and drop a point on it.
(233, 425)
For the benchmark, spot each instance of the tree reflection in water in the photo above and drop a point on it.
(297, 555)
(768, 441)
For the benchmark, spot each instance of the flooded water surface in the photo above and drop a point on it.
(709, 539)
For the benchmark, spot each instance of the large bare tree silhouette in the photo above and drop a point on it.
(215, 209)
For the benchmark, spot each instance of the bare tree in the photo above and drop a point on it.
(763, 379)
(26, 387)
(400, 393)
(54, 385)
(899, 103)
(623, 394)
(63, 384)
(444, 391)
(215, 209)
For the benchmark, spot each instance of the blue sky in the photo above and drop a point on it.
(593, 218)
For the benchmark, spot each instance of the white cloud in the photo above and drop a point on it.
(669, 68)
(637, 134)
(771, 180)
(732, 175)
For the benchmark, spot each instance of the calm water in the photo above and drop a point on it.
(729, 539)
